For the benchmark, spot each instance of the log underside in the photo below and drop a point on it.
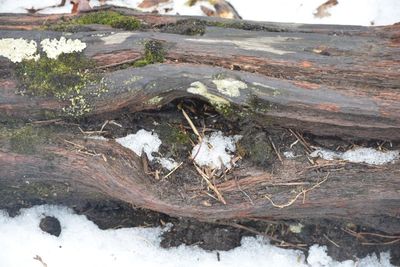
(349, 91)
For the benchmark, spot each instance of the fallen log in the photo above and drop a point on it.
(337, 82)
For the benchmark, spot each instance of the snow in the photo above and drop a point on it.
(82, 243)
(141, 141)
(359, 155)
(289, 154)
(168, 163)
(352, 12)
(148, 142)
(215, 150)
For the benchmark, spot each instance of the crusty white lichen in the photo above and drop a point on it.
(230, 87)
(17, 50)
(198, 88)
(117, 38)
(53, 47)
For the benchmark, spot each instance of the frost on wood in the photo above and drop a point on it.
(147, 142)
(359, 155)
(54, 47)
(215, 150)
(17, 50)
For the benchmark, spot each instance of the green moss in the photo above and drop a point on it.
(111, 18)
(26, 139)
(189, 27)
(242, 25)
(177, 136)
(153, 53)
(64, 78)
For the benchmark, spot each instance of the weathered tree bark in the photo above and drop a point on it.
(338, 81)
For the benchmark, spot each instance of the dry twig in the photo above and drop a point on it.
(209, 184)
(303, 192)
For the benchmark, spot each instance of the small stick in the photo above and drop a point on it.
(303, 192)
(173, 170)
(91, 132)
(330, 240)
(382, 243)
(276, 150)
(209, 184)
(301, 140)
(244, 193)
(191, 124)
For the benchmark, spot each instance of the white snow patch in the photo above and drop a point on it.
(167, 163)
(318, 257)
(351, 12)
(141, 141)
(289, 154)
(359, 155)
(215, 150)
(82, 243)
(17, 50)
(147, 142)
(97, 137)
(53, 47)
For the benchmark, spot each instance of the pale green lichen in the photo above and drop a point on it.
(133, 80)
(155, 100)
(198, 88)
(275, 91)
(296, 228)
(229, 86)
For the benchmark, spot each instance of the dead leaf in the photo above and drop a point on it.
(80, 5)
(151, 3)
(322, 10)
(223, 9)
(209, 12)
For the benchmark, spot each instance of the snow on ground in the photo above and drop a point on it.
(82, 243)
(352, 12)
(215, 150)
(358, 155)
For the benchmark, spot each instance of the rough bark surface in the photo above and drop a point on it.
(340, 81)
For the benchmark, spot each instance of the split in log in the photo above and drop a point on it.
(324, 82)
